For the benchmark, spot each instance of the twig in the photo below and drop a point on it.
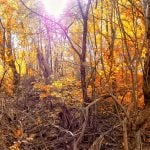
(59, 25)
(86, 120)
(63, 130)
(121, 106)
(98, 142)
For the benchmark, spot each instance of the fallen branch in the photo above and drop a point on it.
(98, 142)
(62, 129)
(75, 146)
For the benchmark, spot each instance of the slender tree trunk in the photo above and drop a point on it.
(83, 60)
(43, 66)
(84, 48)
(146, 75)
(144, 115)
(11, 63)
(49, 50)
(2, 42)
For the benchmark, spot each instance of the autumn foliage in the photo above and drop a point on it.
(92, 54)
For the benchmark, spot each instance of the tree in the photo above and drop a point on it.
(8, 56)
(146, 72)
(84, 47)
(146, 75)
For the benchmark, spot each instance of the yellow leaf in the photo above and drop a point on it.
(18, 133)
(15, 146)
(20, 66)
(57, 84)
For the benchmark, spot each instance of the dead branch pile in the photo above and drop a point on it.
(28, 123)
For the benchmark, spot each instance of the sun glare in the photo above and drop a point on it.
(55, 7)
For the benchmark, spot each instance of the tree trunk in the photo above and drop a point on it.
(83, 81)
(9, 53)
(83, 59)
(2, 42)
(84, 48)
(146, 74)
(144, 115)
(43, 66)
(49, 50)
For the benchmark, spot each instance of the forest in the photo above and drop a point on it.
(74, 74)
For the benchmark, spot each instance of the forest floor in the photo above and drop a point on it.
(29, 123)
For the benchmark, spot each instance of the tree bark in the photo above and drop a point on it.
(49, 50)
(146, 74)
(2, 42)
(43, 66)
(144, 115)
(84, 48)
(9, 53)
